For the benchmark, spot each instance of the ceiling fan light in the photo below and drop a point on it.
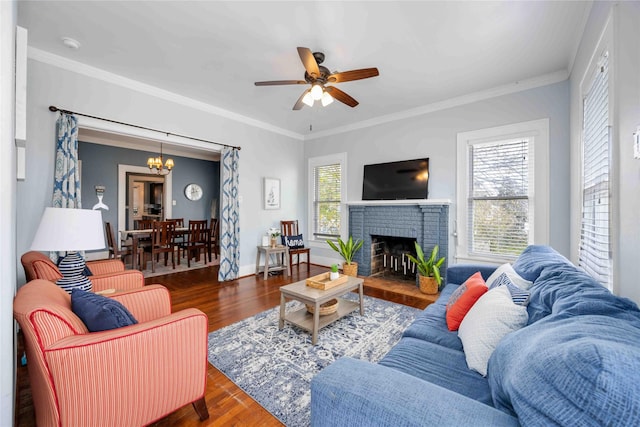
(308, 99)
(316, 92)
(326, 99)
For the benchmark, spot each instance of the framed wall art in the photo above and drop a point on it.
(271, 193)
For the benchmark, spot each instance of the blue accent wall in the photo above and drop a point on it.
(100, 167)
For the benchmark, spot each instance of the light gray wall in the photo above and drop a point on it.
(263, 153)
(434, 135)
(624, 43)
(8, 21)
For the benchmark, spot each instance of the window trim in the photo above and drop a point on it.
(313, 162)
(538, 130)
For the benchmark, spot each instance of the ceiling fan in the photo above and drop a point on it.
(318, 77)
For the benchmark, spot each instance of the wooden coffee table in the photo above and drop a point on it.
(307, 295)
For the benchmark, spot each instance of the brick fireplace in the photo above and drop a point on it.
(426, 221)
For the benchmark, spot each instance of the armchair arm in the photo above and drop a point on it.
(123, 280)
(132, 375)
(105, 266)
(353, 392)
(458, 273)
(147, 303)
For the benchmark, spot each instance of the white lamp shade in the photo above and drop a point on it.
(63, 229)
(308, 99)
(316, 92)
(326, 99)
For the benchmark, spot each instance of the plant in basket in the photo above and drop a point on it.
(347, 250)
(428, 269)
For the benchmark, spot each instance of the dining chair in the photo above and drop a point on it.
(290, 228)
(179, 237)
(125, 248)
(214, 233)
(143, 224)
(196, 241)
(162, 242)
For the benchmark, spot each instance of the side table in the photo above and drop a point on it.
(281, 253)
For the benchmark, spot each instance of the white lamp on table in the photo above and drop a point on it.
(70, 230)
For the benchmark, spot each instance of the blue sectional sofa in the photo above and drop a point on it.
(575, 363)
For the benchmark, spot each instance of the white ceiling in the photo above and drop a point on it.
(427, 52)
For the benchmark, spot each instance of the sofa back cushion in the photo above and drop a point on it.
(536, 258)
(579, 370)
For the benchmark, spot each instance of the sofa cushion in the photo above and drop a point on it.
(463, 298)
(490, 319)
(438, 365)
(513, 276)
(536, 258)
(100, 313)
(430, 325)
(580, 370)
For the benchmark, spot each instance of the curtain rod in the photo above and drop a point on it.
(54, 109)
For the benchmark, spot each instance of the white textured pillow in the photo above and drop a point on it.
(515, 277)
(492, 317)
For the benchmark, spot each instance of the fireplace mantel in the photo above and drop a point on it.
(399, 202)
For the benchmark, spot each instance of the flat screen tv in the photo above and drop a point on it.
(407, 179)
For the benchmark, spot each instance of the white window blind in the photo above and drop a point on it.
(500, 185)
(595, 248)
(327, 201)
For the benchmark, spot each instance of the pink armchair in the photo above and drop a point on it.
(127, 376)
(107, 273)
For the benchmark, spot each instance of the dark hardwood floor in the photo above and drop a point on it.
(226, 303)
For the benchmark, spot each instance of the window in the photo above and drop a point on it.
(499, 217)
(595, 245)
(328, 189)
(502, 191)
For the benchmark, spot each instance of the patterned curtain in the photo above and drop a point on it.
(66, 177)
(230, 221)
(66, 180)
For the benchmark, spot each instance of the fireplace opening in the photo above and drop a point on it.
(389, 258)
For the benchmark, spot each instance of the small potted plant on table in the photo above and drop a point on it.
(334, 272)
(273, 234)
(428, 270)
(347, 251)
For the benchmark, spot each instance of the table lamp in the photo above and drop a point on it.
(70, 230)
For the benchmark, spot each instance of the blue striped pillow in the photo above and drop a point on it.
(518, 296)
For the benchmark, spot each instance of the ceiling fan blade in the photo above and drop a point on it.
(299, 104)
(281, 82)
(347, 76)
(341, 96)
(309, 62)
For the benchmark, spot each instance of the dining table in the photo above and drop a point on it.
(136, 235)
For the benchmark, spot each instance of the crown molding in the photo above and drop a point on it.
(518, 86)
(106, 76)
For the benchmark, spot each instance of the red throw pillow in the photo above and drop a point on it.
(463, 299)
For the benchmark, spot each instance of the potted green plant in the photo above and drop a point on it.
(334, 272)
(428, 269)
(273, 234)
(347, 251)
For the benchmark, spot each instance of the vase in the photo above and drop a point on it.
(334, 275)
(428, 285)
(274, 242)
(350, 269)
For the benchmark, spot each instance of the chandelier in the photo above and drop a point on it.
(157, 166)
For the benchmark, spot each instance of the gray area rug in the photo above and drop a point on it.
(276, 367)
